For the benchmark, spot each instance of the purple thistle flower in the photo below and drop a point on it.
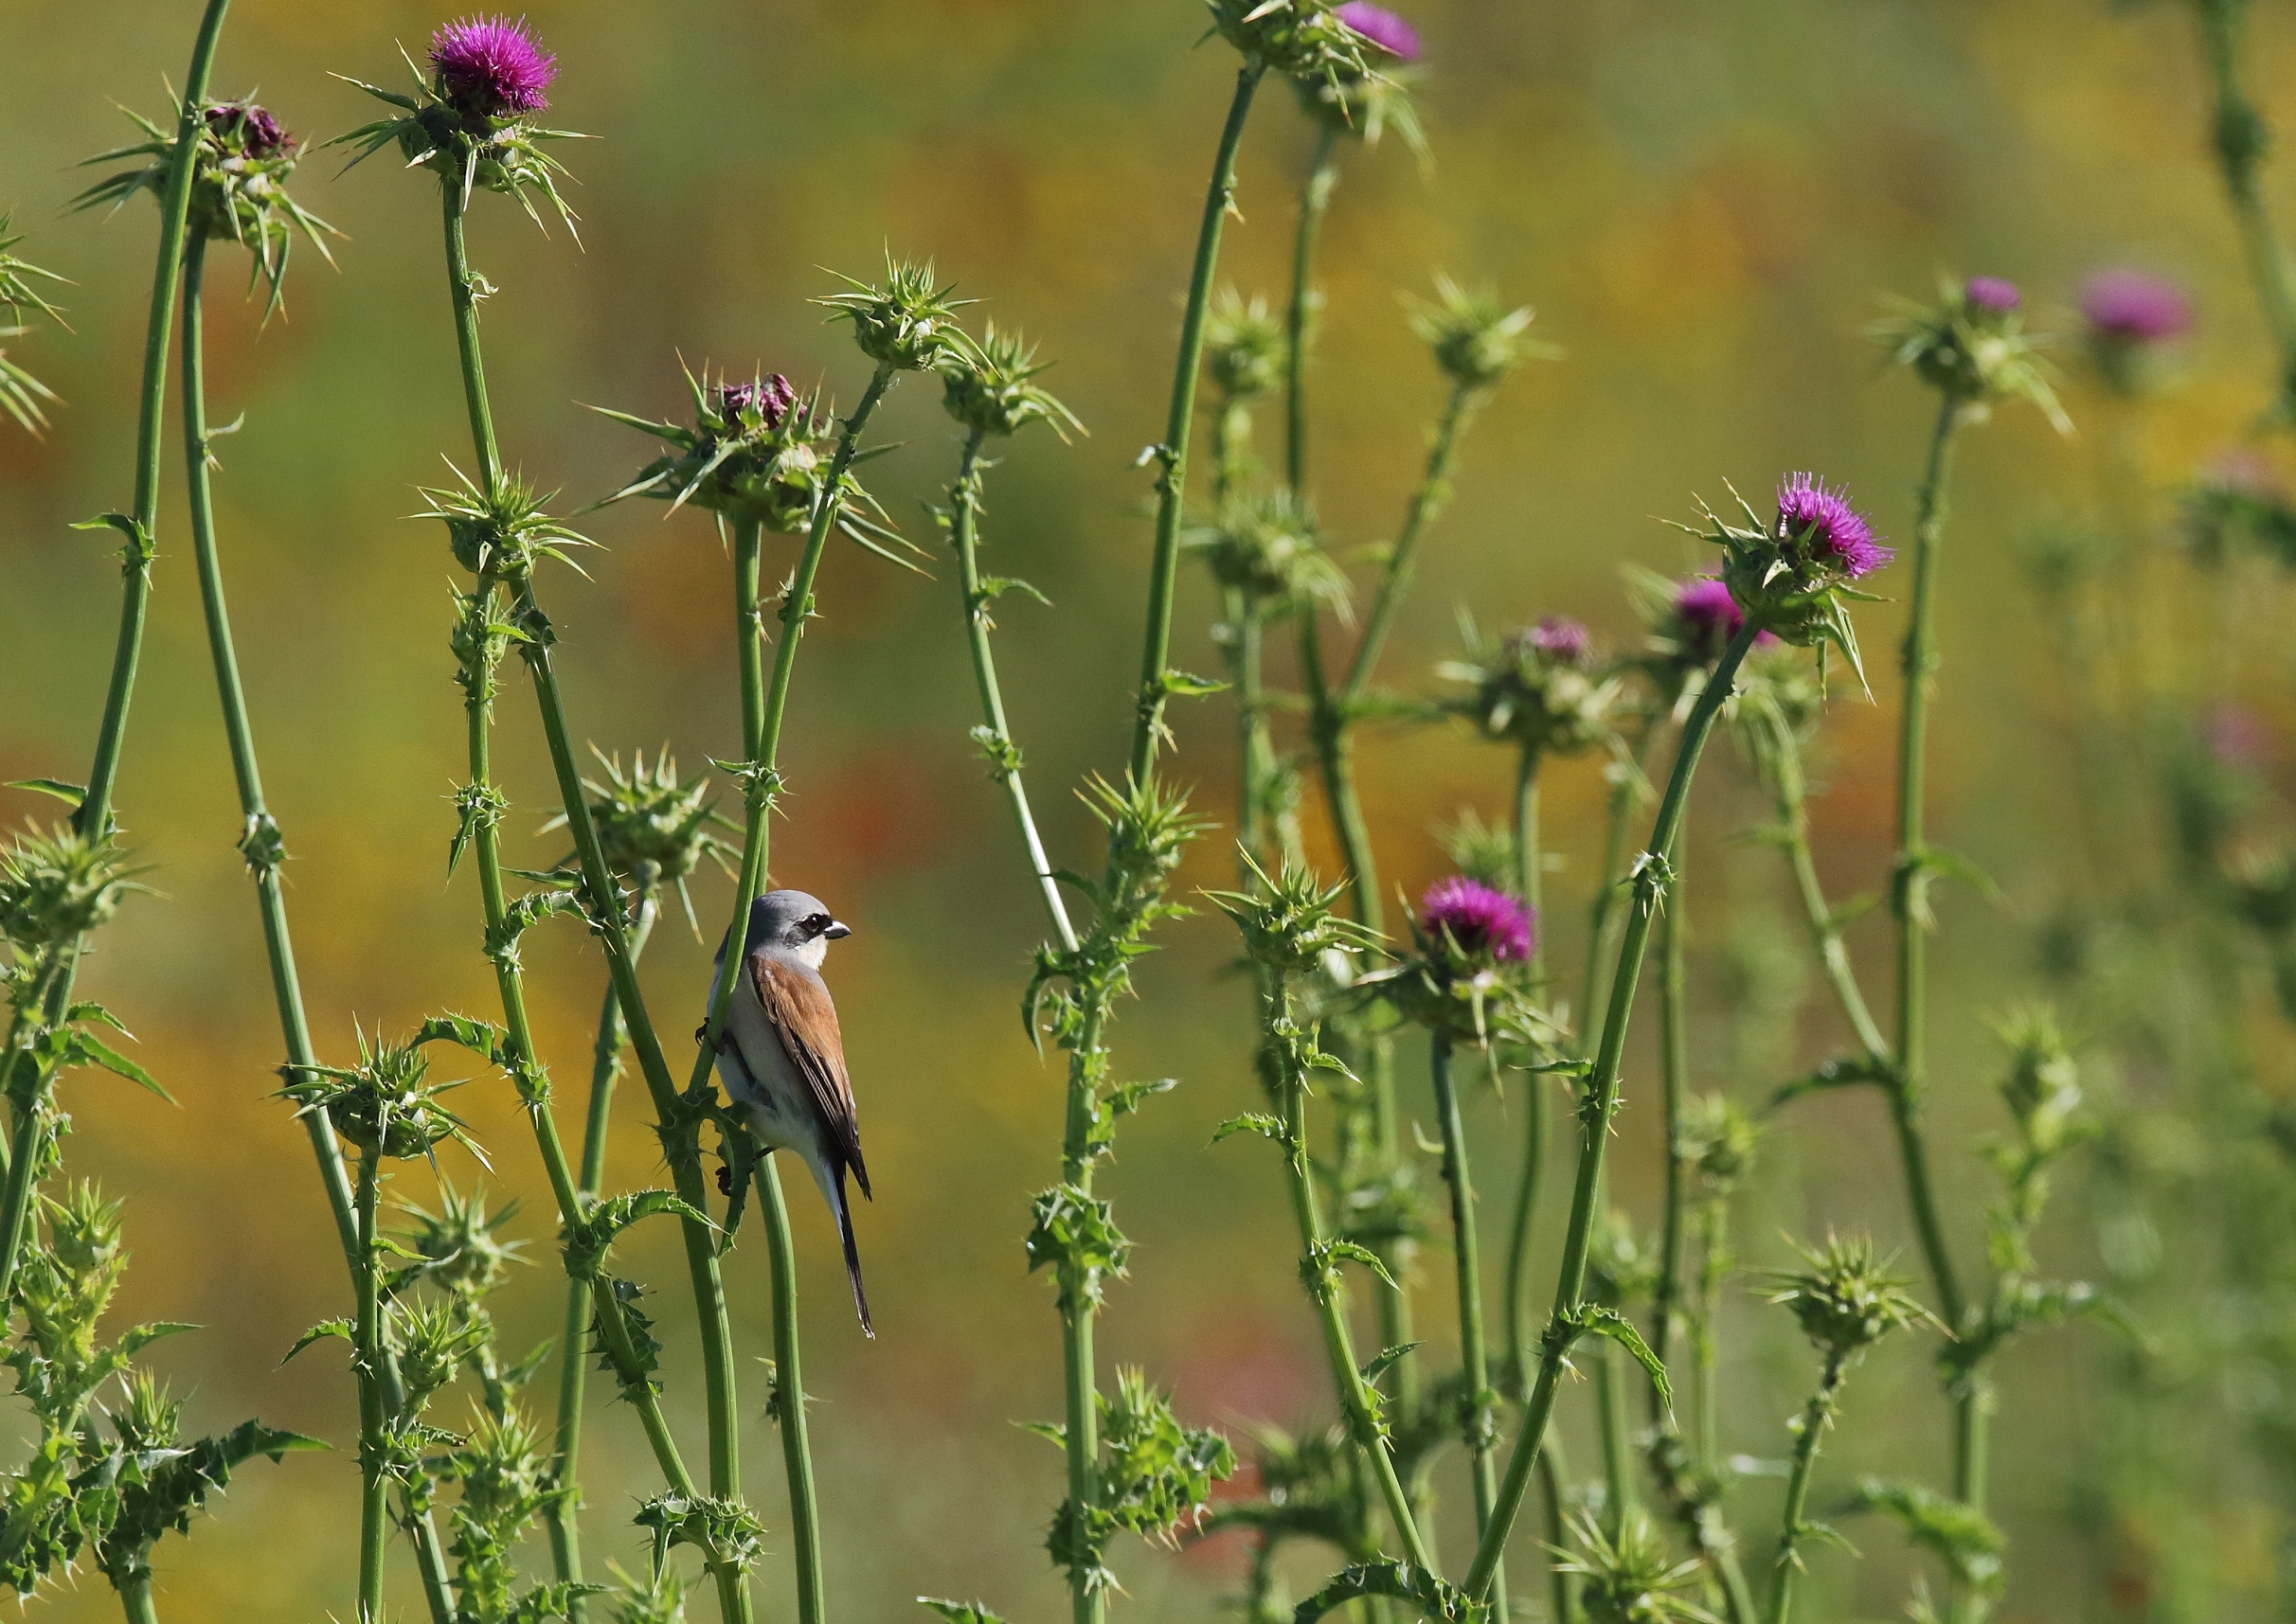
(2132, 307)
(2237, 737)
(771, 399)
(1561, 639)
(1995, 295)
(492, 66)
(1838, 532)
(259, 133)
(1479, 921)
(1383, 28)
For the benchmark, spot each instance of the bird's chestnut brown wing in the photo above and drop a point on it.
(805, 1020)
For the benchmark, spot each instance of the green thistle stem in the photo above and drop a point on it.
(2240, 143)
(1602, 1100)
(1356, 1395)
(374, 1497)
(1171, 483)
(965, 535)
(1610, 1426)
(1428, 499)
(1563, 1594)
(1299, 315)
(1528, 885)
(1826, 934)
(135, 1600)
(1816, 1418)
(264, 849)
(94, 817)
(1674, 1070)
(573, 1355)
(1479, 1428)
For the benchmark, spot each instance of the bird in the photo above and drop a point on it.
(782, 1057)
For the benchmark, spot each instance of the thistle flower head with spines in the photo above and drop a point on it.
(1468, 975)
(758, 452)
(1480, 923)
(1632, 1578)
(1265, 545)
(20, 279)
(463, 1253)
(1540, 687)
(1290, 921)
(1365, 105)
(1791, 574)
(1844, 1297)
(239, 185)
(1303, 40)
(1720, 1140)
(908, 323)
(1245, 346)
(57, 884)
(471, 121)
(385, 1104)
(503, 534)
(1972, 346)
(991, 387)
(654, 827)
(1477, 339)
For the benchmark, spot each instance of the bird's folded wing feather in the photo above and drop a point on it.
(805, 1020)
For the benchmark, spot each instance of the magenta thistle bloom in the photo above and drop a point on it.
(1708, 617)
(2133, 308)
(1560, 638)
(771, 399)
(1837, 532)
(492, 66)
(260, 135)
(1480, 922)
(1383, 28)
(1996, 295)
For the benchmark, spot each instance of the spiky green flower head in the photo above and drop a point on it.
(1846, 1299)
(471, 121)
(1245, 346)
(1971, 346)
(387, 1104)
(1475, 337)
(20, 280)
(1363, 106)
(1632, 1578)
(152, 1419)
(2043, 1087)
(657, 1598)
(1540, 688)
(1307, 41)
(991, 387)
(462, 1243)
(500, 534)
(758, 453)
(654, 827)
(1719, 1139)
(1265, 544)
(57, 884)
(1291, 922)
(1792, 574)
(434, 1337)
(65, 1287)
(908, 323)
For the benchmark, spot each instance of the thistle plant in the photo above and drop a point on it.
(1845, 1301)
(20, 285)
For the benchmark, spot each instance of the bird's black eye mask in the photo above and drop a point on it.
(814, 924)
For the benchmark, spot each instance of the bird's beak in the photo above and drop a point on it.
(838, 930)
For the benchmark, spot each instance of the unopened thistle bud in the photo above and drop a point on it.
(57, 884)
(1290, 922)
(1265, 546)
(1245, 346)
(1845, 1299)
(1303, 39)
(1971, 346)
(1364, 105)
(1718, 1138)
(908, 324)
(993, 391)
(1476, 338)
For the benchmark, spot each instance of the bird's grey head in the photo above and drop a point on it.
(792, 922)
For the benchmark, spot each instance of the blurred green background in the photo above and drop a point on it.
(1704, 202)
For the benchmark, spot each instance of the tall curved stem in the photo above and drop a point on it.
(1479, 1414)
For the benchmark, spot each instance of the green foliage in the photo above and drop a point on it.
(1265, 544)
(1076, 1235)
(1435, 1600)
(1961, 1536)
(723, 1531)
(1631, 1577)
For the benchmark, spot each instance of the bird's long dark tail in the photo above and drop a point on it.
(852, 1258)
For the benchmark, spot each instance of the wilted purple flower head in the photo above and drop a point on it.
(1560, 638)
(1996, 295)
(258, 134)
(1837, 531)
(1709, 616)
(492, 66)
(1479, 921)
(770, 399)
(2133, 308)
(1383, 28)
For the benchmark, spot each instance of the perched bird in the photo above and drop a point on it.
(782, 1060)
